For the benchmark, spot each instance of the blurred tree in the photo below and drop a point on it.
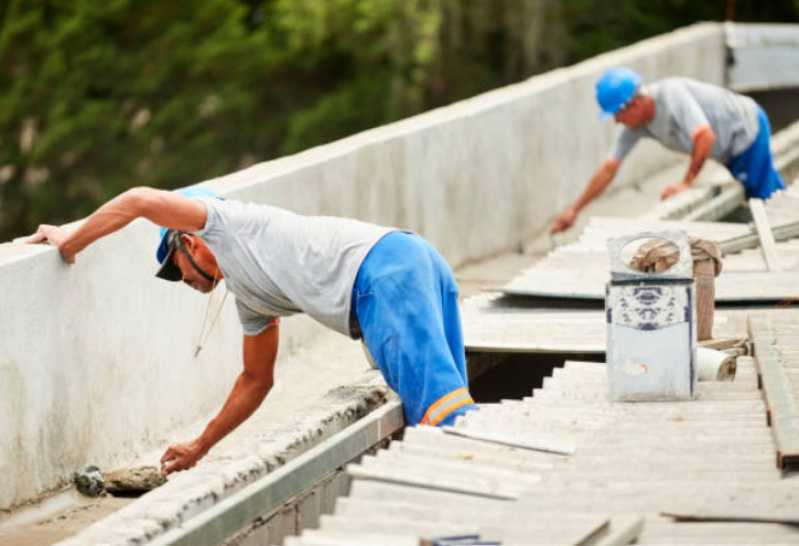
(98, 96)
(596, 26)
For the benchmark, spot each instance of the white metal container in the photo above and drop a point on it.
(651, 318)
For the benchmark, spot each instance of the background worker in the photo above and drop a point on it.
(388, 287)
(687, 116)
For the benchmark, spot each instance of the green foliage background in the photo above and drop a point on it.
(97, 96)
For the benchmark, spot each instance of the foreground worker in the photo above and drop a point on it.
(388, 287)
(686, 116)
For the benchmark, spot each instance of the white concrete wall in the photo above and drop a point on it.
(765, 56)
(96, 359)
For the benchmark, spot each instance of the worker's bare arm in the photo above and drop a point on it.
(703, 140)
(250, 389)
(160, 207)
(599, 181)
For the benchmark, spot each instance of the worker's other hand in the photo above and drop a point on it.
(672, 190)
(181, 456)
(52, 235)
(564, 220)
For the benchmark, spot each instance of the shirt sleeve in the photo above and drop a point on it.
(251, 322)
(215, 220)
(626, 141)
(685, 110)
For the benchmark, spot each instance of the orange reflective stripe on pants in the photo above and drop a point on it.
(444, 406)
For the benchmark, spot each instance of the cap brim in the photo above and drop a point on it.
(168, 270)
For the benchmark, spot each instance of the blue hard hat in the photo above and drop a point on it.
(615, 88)
(167, 237)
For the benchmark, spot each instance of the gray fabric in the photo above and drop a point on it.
(682, 106)
(278, 263)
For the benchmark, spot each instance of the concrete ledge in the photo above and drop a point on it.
(190, 493)
(765, 56)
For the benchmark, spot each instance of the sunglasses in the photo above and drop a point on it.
(182, 248)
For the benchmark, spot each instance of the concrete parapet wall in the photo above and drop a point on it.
(96, 359)
(763, 56)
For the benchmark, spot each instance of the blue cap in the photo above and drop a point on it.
(615, 88)
(168, 237)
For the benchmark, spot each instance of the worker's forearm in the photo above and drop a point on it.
(601, 179)
(698, 158)
(244, 399)
(703, 146)
(110, 217)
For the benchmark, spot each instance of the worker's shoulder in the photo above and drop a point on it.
(233, 212)
(671, 83)
(693, 87)
(678, 80)
(674, 91)
(237, 206)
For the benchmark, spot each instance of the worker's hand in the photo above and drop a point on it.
(52, 235)
(673, 189)
(181, 456)
(564, 220)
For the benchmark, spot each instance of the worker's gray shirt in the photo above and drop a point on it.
(682, 106)
(278, 263)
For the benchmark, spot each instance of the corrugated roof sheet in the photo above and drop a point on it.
(565, 465)
(712, 456)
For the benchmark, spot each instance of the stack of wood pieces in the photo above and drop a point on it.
(658, 255)
(655, 256)
(707, 266)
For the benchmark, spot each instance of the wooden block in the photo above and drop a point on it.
(764, 233)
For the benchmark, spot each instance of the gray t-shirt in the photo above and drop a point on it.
(278, 263)
(682, 106)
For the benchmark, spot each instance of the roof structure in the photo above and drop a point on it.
(567, 466)
(699, 472)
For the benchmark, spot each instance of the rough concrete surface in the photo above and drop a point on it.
(59, 525)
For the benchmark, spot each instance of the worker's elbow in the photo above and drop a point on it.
(139, 200)
(609, 168)
(264, 386)
(260, 391)
(705, 136)
(259, 384)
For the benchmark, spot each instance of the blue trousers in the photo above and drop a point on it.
(405, 300)
(754, 168)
